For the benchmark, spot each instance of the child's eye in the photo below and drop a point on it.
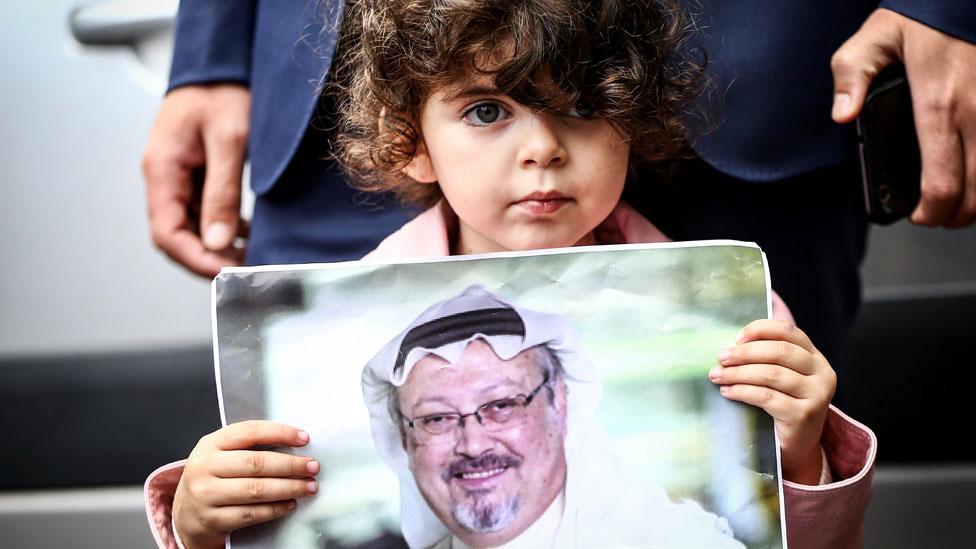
(484, 114)
(581, 110)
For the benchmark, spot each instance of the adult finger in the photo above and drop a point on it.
(250, 463)
(965, 214)
(247, 434)
(221, 198)
(244, 491)
(172, 233)
(873, 47)
(773, 376)
(941, 71)
(169, 194)
(942, 158)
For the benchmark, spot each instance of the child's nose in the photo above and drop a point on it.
(542, 146)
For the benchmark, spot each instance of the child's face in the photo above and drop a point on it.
(517, 179)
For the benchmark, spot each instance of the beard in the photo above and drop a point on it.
(482, 517)
(479, 512)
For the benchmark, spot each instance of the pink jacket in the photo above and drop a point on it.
(827, 516)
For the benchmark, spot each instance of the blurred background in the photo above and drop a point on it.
(106, 370)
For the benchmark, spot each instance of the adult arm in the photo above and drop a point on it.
(935, 41)
(202, 127)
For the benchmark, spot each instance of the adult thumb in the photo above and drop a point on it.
(858, 61)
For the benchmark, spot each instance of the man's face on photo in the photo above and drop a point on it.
(491, 479)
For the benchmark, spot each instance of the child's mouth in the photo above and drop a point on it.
(539, 203)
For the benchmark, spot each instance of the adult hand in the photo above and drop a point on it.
(942, 75)
(226, 486)
(203, 126)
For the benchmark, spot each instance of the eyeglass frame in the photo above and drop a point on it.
(477, 413)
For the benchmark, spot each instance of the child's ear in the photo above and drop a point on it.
(420, 168)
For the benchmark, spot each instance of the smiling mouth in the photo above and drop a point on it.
(480, 482)
(481, 474)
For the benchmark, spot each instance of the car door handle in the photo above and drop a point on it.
(120, 22)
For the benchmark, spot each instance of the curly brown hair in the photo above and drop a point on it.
(624, 60)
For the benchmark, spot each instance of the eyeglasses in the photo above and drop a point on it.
(494, 416)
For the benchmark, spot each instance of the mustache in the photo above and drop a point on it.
(486, 462)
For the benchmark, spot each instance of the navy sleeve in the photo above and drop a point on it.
(954, 17)
(212, 42)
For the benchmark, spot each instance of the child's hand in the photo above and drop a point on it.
(225, 486)
(777, 368)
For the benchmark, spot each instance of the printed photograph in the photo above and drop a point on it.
(549, 399)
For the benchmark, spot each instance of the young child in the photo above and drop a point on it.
(516, 124)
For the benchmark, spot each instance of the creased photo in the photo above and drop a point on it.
(548, 399)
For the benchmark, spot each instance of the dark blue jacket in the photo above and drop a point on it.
(772, 55)
(281, 49)
(770, 59)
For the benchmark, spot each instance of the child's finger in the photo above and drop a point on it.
(244, 491)
(773, 376)
(249, 463)
(235, 517)
(247, 434)
(773, 402)
(784, 353)
(775, 330)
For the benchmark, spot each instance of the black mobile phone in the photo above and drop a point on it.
(891, 164)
